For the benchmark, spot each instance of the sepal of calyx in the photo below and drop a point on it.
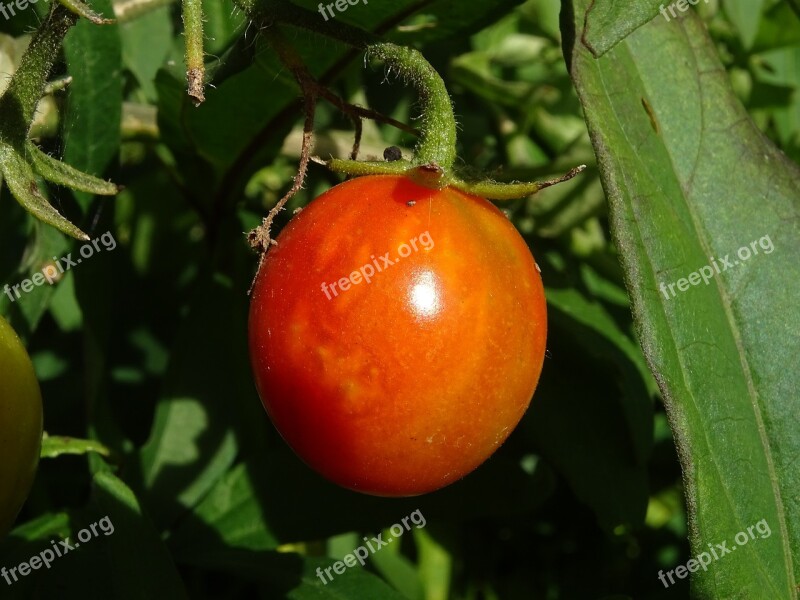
(19, 170)
(433, 176)
(20, 160)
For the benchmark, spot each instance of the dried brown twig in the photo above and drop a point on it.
(260, 238)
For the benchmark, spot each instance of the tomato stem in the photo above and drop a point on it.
(81, 9)
(195, 55)
(437, 145)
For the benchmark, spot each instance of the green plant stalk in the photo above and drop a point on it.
(83, 10)
(437, 144)
(54, 446)
(20, 161)
(18, 104)
(195, 54)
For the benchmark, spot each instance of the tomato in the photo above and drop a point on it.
(20, 425)
(397, 334)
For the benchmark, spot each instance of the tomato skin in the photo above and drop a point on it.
(402, 385)
(20, 425)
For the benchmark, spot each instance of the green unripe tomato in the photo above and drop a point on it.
(20, 425)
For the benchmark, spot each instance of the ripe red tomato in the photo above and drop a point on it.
(397, 334)
(20, 425)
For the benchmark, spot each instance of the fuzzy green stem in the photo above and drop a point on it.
(437, 144)
(18, 104)
(195, 54)
(511, 191)
(83, 10)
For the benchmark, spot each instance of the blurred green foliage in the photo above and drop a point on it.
(143, 348)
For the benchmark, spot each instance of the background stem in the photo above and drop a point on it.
(18, 104)
(195, 55)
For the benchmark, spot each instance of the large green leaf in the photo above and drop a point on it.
(296, 577)
(122, 568)
(746, 16)
(100, 563)
(94, 111)
(27, 311)
(192, 444)
(245, 510)
(772, 29)
(146, 43)
(608, 22)
(596, 429)
(691, 180)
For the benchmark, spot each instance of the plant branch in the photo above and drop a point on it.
(359, 111)
(195, 55)
(437, 143)
(260, 238)
(83, 10)
(18, 104)
(359, 125)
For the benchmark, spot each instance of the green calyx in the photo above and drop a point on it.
(435, 154)
(20, 160)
